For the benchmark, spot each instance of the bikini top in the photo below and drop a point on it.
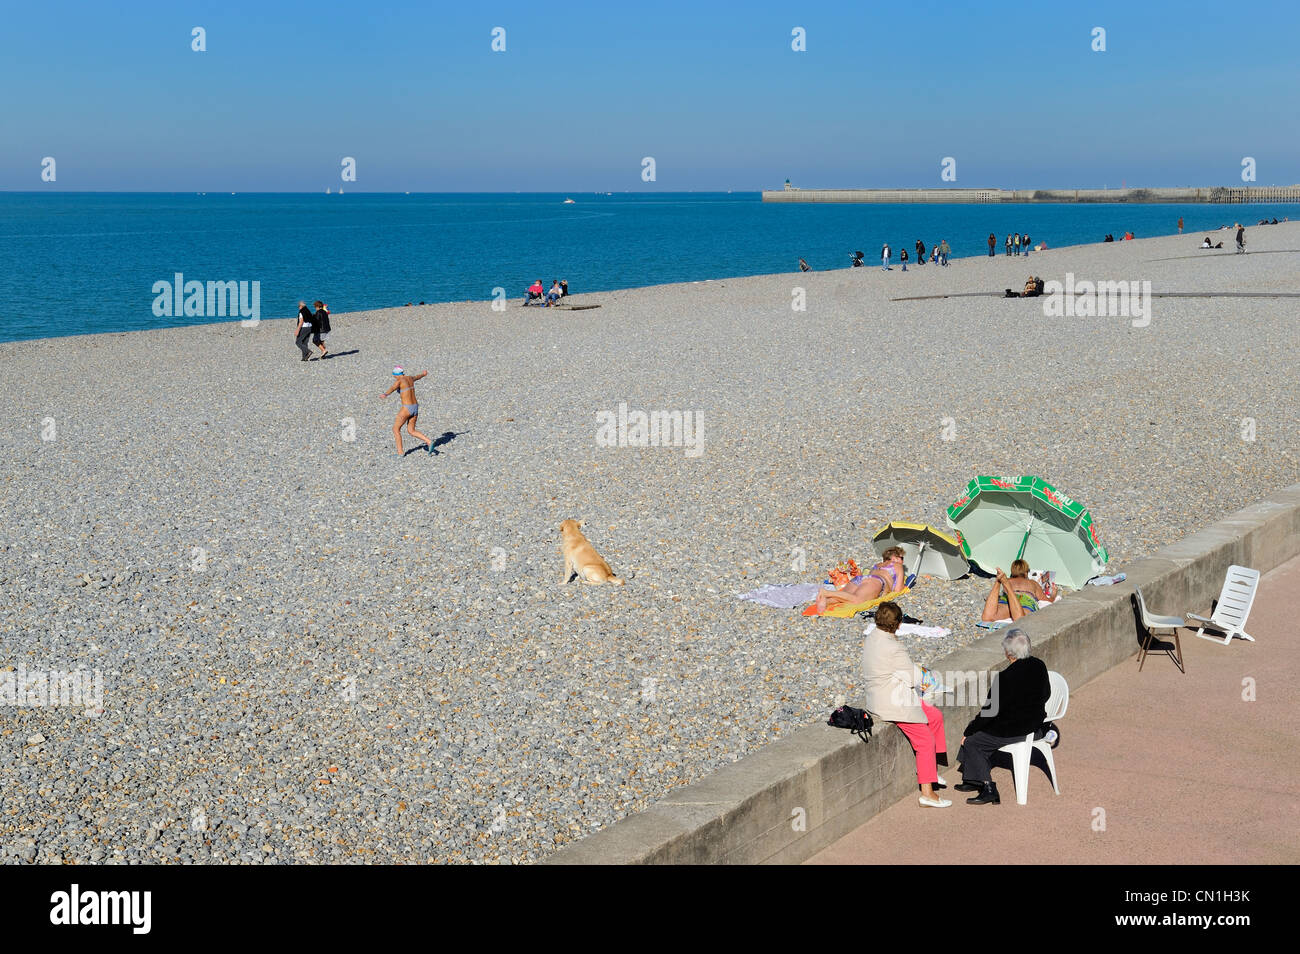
(887, 573)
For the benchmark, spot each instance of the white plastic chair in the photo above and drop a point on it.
(1151, 623)
(1022, 752)
(1235, 600)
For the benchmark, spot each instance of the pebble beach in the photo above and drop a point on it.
(315, 651)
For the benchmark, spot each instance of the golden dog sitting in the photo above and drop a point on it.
(581, 558)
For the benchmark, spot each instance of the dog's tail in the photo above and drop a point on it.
(616, 579)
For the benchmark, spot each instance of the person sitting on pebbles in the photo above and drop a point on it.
(1012, 596)
(885, 577)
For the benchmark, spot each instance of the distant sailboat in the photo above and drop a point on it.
(327, 190)
(340, 190)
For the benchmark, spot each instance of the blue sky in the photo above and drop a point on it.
(714, 92)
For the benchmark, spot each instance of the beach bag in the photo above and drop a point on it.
(857, 721)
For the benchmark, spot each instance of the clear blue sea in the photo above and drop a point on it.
(80, 263)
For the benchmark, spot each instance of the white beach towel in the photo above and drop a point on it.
(783, 595)
(912, 629)
(929, 632)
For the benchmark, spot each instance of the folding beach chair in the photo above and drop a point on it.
(1230, 612)
(1151, 623)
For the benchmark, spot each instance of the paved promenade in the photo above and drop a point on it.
(1184, 769)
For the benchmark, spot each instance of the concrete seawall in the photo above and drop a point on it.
(790, 799)
(1188, 194)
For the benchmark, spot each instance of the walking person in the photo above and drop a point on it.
(1180, 225)
(322, 325)
(1241, 239)
(1024, 244)
(1015, 244)
(302, 333)
(1008, 245)
(993, 243)
(405, 384)
(920, 252)
(944, 251)
(884, 257)
(902, 257)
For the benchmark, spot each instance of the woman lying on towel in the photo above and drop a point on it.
(1012, 596)
(885, 577)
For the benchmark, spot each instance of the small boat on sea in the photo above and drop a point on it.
(568, 202)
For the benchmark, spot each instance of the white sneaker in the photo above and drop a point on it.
(934, 802)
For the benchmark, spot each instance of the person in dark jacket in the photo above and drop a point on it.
(1017, 706)
(993, 243)
(920, 252)
(302, 332)
(322, 319)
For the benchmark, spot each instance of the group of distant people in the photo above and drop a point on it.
(1015, 244)
(939, 254)
(1241, 238)
(559, 289)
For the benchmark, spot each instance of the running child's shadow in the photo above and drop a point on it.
(446, 437)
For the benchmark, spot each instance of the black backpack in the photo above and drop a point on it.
(857, 721)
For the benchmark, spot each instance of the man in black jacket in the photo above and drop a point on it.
(1016, 706)
(322, 323)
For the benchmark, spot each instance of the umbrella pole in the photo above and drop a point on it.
(1025, 542)
(920, 553)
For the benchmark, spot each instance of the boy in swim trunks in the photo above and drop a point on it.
(405, 383)
(885, 577)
